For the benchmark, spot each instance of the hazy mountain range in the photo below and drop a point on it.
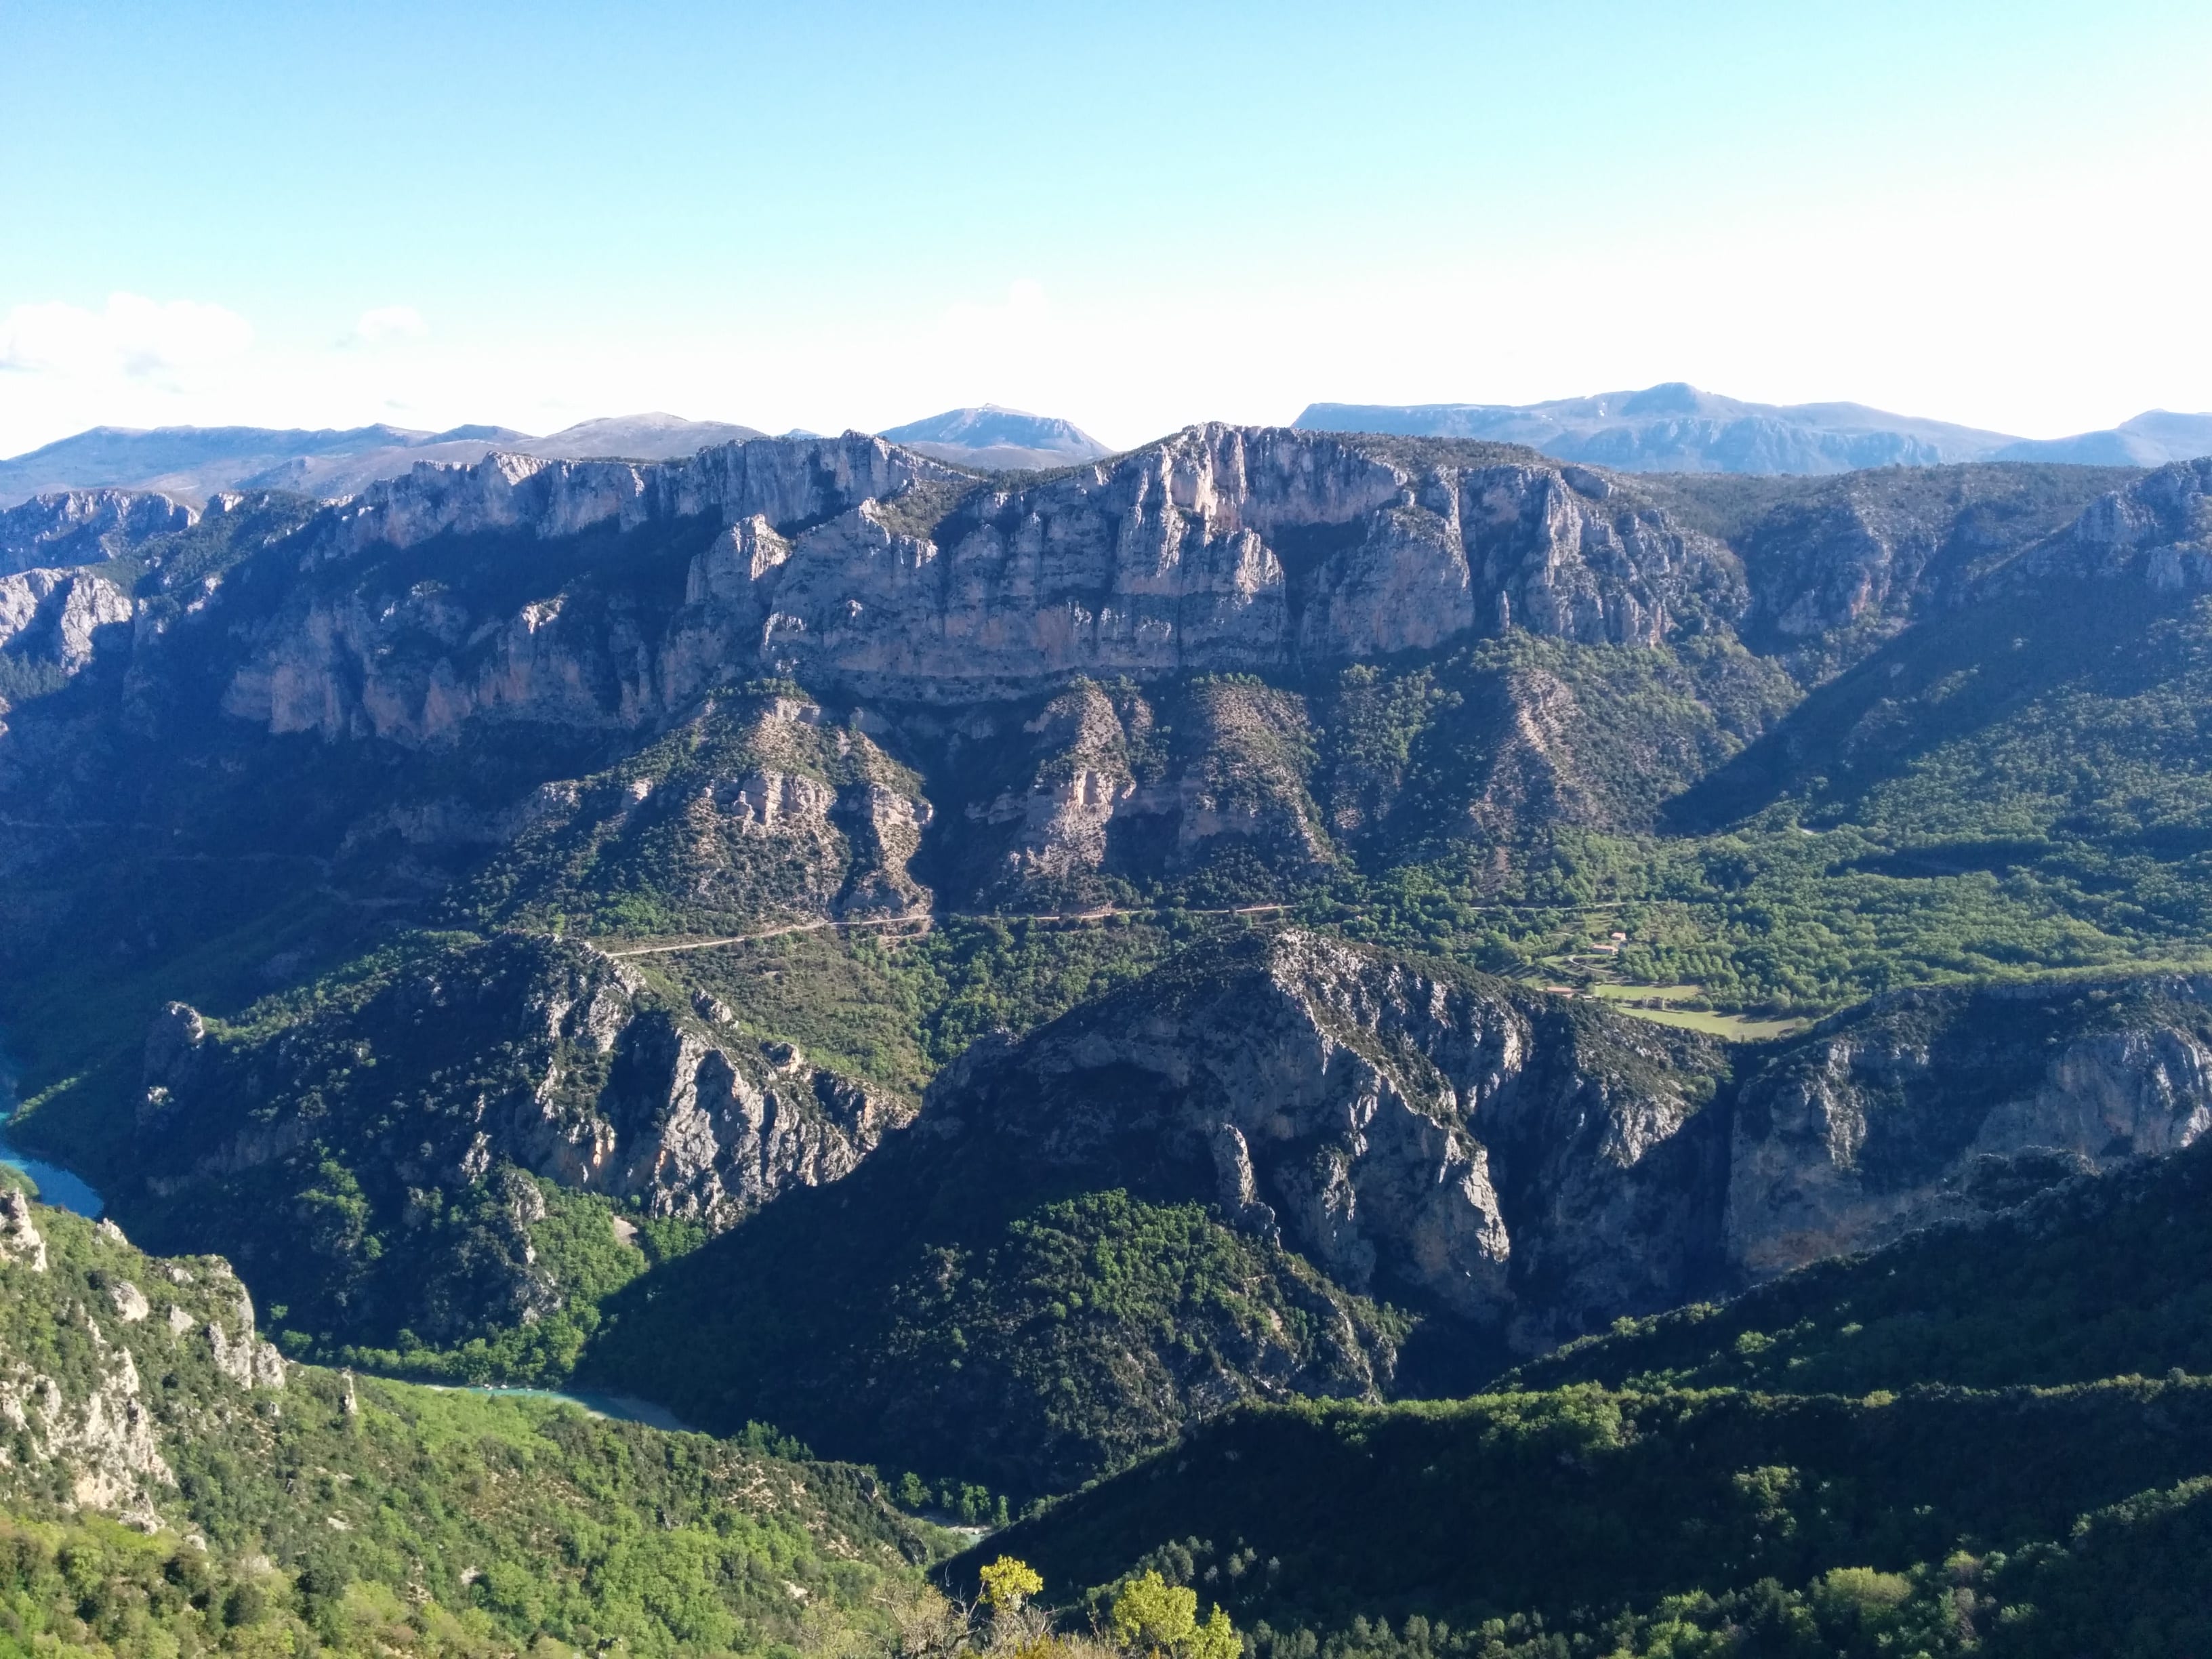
(192, 463)
(1673, 427)
(1676, 428)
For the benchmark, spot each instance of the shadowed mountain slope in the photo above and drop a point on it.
(2099, 1277)
(1745, 1487)
(1938, 1522)
(1507, 1169)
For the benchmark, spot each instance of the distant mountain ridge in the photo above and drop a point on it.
(1000, 439)
(2151, 439)
(1670, 427)
(193, 463)
(1677, 428)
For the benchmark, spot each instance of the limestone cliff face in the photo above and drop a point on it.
(52, 624)
(1222, 547)
(598, 1085)
(1933, 1105)
(706, 1129)
(852, 562)
(56, 615)
(784, 481)
(21, 1241)
(641, 1101)
(88, 1432)
(1116, 780)
(346, 657)
(1863, 557)
(857, 565)
(1526, 1167)
(2157, 530)
(1538, 1168)
(84, 527)
(1530, 1167)
(1058, 821)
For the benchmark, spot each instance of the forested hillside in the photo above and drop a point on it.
(1947, 1446)
(271, 1506)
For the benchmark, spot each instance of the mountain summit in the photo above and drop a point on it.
(1000, 439)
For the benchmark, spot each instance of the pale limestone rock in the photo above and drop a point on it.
(106, 1443)
(2157, 530)
(690, 1119)
(83, 527)
(714, 1140)
(131, 1303)
(1542, 1169)
(240, 1353)
(66, 609)
(1082, 790)
(233, 1357)
(1218, 548)
(1846, 1143)
(765, 800)
(1074, 798)
(20, 1238)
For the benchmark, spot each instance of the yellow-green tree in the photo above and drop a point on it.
(1008, 1584)
(1152, 1617)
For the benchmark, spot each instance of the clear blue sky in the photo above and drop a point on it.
(1135, 216)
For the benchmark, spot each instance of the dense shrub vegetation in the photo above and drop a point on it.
(366, 1515)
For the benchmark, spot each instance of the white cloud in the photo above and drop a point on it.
(383, 324)
(134, 339)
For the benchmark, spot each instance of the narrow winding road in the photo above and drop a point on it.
(927, 919)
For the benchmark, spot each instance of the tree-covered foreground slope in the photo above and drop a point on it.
(1948, 1446)
(1579, 1522)
(172, 1485)
(300, 1510)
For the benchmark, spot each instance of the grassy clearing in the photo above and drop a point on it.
(1734, 1028)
